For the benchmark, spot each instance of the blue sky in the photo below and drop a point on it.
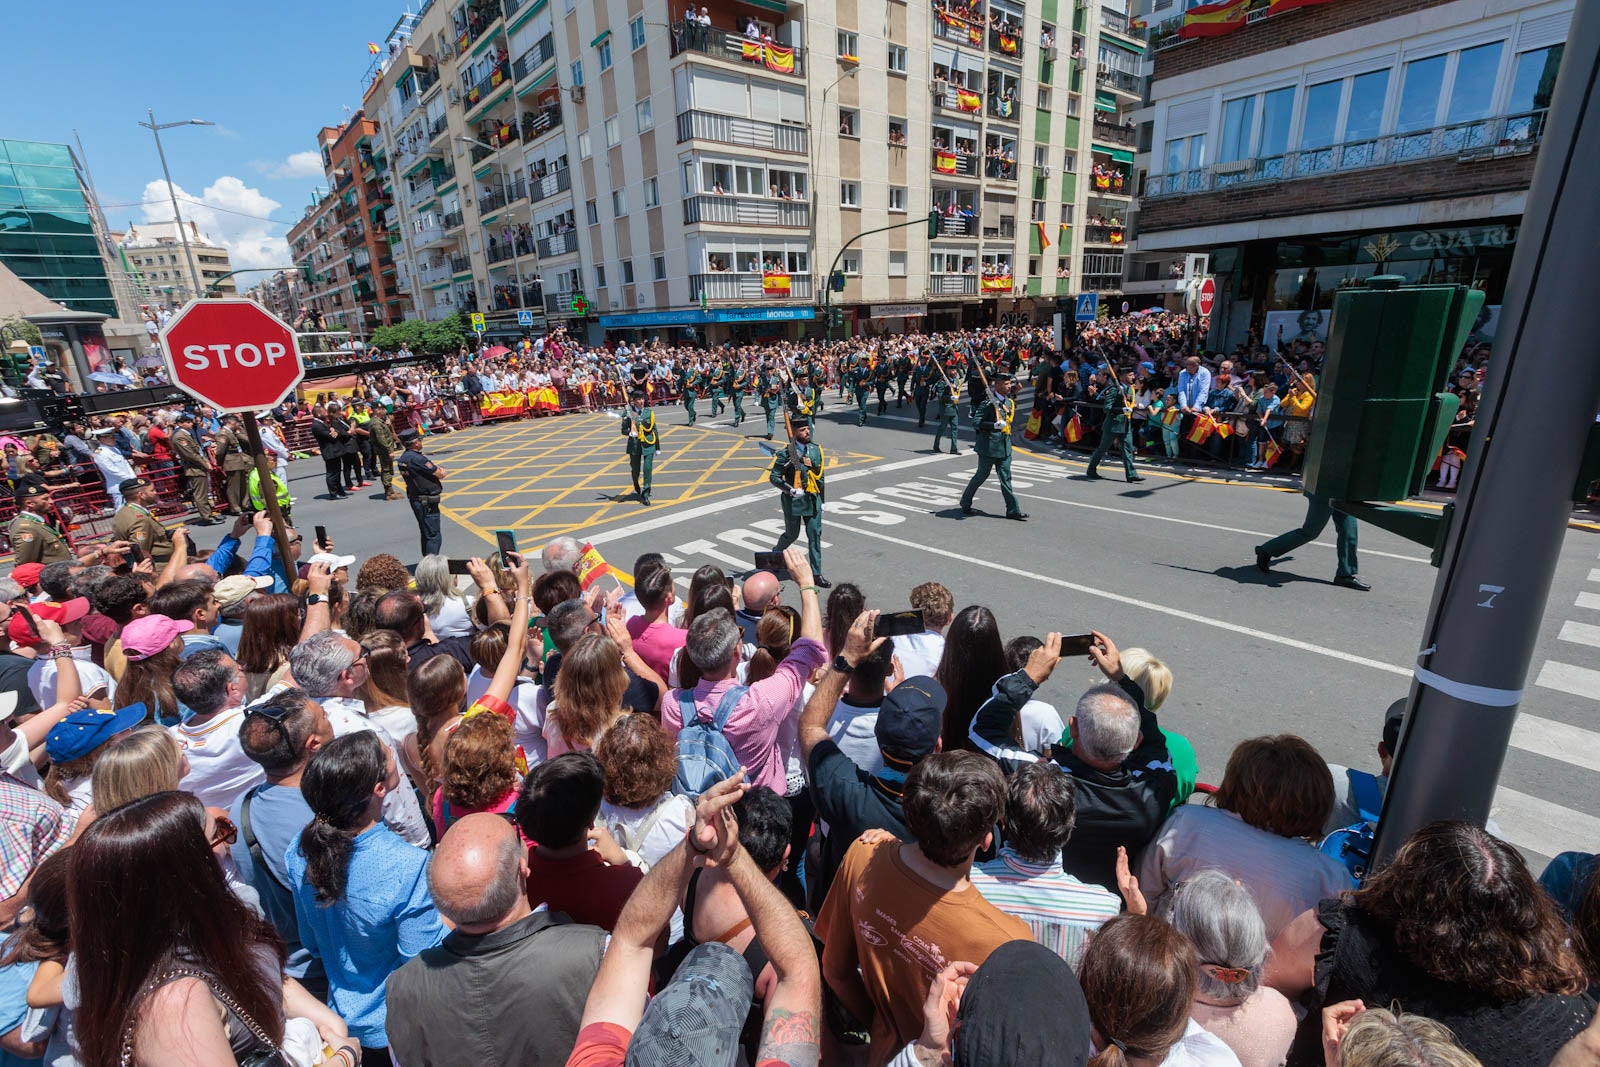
(270, 75)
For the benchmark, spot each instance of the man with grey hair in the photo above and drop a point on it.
(1116, 753)
(562, 554)
(500, 951)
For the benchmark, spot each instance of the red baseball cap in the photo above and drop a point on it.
(27, 574)
(21, 630)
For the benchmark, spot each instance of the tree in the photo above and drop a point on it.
(430, 338)
(17, 328)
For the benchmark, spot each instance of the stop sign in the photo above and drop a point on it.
(232, 354)
(1207, 298)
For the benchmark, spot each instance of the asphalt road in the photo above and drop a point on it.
(1166, 564)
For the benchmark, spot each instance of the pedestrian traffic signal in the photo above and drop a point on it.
(1382, 413)
(836, 281)
(835, 317)
(933, 224)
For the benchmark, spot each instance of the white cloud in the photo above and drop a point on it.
(300, 165)
(231, 213)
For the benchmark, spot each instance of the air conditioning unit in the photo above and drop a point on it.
(1050, 53)
(577, 94)
(454, 95)
(941, 87)
(1043, 171)
(1233, 166)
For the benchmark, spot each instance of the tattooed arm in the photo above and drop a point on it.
(790, 1031)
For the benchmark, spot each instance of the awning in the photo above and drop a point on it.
(1104, 101)
(602, 36)
(1121, 155)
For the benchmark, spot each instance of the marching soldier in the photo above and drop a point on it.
(738, 382)
(384, 445)
(693, 380)
(882, 376)
(34, 536)
(921, 386)
(136, 524)
(860, 381)
(719, 376)
(767, 389)
(1116, 429)
(639, 427)
(902, 373)
(994, 419)
(233, 456)
(196, 471)
(684, 379)
(797, 471)
(949, 391)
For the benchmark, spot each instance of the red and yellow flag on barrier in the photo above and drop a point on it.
(944, 162)
(1224, 430)
(1116, 237)
(1072, 432)
(775, 283)
(495, 405)
(996, 282)
(543, 399)
(1044, 237)
(591, 566)
(1272, 453)
(1213, 20)
(967, 100)
(1204, 427)
(1008, 45)
(750, 51)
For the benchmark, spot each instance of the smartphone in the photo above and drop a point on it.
(458, 566)
(322, 539)
(135, 553)
(506, 541)
(1076, 644)
(898, 624)
(773, 562)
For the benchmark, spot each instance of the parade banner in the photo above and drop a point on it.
(591, 566)
(967, 100)
(944, 162)
(543, 399)
(1213, 20)
(499, 405)
(774, 283)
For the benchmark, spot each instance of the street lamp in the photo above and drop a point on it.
(816, 186)
(516, 268)
(155, 128)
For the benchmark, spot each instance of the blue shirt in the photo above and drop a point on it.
(277, 815)
(1194, 388)
(263, 560)
(228, 631)
(384, 919)
(14, 1005)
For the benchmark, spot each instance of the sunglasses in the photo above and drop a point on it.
(225, 833)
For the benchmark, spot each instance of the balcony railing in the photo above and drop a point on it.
(726, 285)
(438, 126)
(779, 59)
(1002, 107)
(541, 53)
(486, 86)
(480, 153)
(752, 133)
(961, 224)
(1119, 80)
(557, 181)
(950, 26)
(421, 194)
(491, 202)
(559, 303)
(953, 284)
(426, 78)
(1116, 22)
(536, 124)
(1114, 133)
(513, 6)
(1484, 139)
(452, 220)
(1000, 167)
(1104, 235)
(955, 164)
(558, 244)
(1006, 44)
(746, 211)
(499, 253)
(1102, 283)
(458, 264)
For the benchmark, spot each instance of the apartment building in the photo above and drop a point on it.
(1312, 148)
(637, 174)
(153, 254)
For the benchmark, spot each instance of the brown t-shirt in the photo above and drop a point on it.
(902, 930)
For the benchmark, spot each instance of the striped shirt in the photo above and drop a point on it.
(1062, 912)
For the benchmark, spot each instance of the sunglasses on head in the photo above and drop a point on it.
(224, 833)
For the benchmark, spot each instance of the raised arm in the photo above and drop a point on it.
(810, 609)
(319, 616)
(510, 666)
(494, 600)
(789, 1033)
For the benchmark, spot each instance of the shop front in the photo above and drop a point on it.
(737, 325)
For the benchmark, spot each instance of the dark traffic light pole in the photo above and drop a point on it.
(931, 220)
(1515, 498)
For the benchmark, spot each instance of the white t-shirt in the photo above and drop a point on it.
(920, 653)
(401, 812)
(396, 721)
(1041, 725)
(1197, 1048)
(854, 730)
(219, 771)
(527, 727)
(451, 620)
(677, 813)
(92, 677)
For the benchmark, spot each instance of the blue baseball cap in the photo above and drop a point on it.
(84, 731)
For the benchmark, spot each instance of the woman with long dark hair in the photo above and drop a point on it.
(271, 627)
(360, 890)
(974, 659)
(174, 967)
(147, 680)
(38, 945)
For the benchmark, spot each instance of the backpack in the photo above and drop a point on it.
(704, 755)
(1352, 845)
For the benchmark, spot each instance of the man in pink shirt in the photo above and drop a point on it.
(654, 638)
(752, 727)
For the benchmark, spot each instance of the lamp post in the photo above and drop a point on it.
(177, 217)
(816, 191)
(516, 268)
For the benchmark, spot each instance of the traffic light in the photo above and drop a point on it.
(15, 367)
(934, 224)
(835, 317)
(1382, 412)
(836, 281)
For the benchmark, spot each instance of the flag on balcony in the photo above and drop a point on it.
(373, 48)
(1213, 20)
(967, 100)
(778, 60)
(1116, 237)
(1008, 45)
(996, 282)
(750, 51)
(1044, 238)
(1139, 24)
(774, 283)
(944, 162)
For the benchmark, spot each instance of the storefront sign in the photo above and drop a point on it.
(898, 311)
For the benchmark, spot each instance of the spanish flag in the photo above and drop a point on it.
(1213, 20)
(1008, 45)
(944, 162)
(1203, 427)
(591, 566)
(967, 100)
(1072, 432)
(1044, 237)
(1272, 452)
(778, 60)
(373, 48)
(774, 283)
(750, 51)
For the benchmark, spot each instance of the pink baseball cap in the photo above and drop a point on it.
(149, 634)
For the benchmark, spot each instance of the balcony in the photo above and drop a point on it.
(750, 133)
(950, 26)
(534, 58)
(1110, 181)
(560, 303)
(402, 285)
(1104, 235)
(1117, 22)
(1119, 81)
(726, 285)
(962, 224)
(513, 6)
(999, 167)
(421, 195)
(1008, 45)
(500, 253)
(1102, 283)
(480, 153)
(955, 164)
(434, 273)
(535, 124)
(953, 284)
(486, 86)
(460, 264)
(558, 244)
(557, 181)
(439, 311)
(1003, 107)
(426, 78)
(1115, 133)
(452, 220)
(746, 211)
(736, 48)
(489, 203)
(361, 260)
(438, 126)
(957, 97)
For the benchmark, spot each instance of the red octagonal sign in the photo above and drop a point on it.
(232, 354)
(1208, 297)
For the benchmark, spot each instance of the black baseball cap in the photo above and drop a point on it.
(910, 720)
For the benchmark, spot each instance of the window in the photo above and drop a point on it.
(584, 149)
(577, 72)
(627, 272)
(1043, 99)
(848, 45)
(897, 132)
(1319, 124)
(1367, 95)
(1277, 111)
(613, 130)
(604, 51)
(644, 114)
(1066, 214)
(1534, 80)
(591, 211)
(636, 33)
(658, 268)
(1037, 215)
(849, 123)
(897, 58)
(749, 181)
(849, 194)
(652, 193)
(1237, 118)
(850, 263)
(1074, 104)
(1041, 155)
(619, 203)
(600, 275)
(897, 264)
(1186, 153)
(897, 198)
(1069, 161)
(1476, 73)
(1419, 94)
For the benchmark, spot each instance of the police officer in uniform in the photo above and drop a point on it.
(1116, 429)
(639, 427)
(797, 472)
(233, 456)
(34, 536)
(994, 417)
(424, 488)
(136, 524)
(196, 470)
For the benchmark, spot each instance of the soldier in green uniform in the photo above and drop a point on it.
(639, 427)
(691, 389)
(719, 376)
(233, 456)
(196, 470)
(738, 382)
(994, 419)
(1116, 429)
(798, 472)
(384, 445)
(882, 376)
(922, 374)
(767, 390)
(34, 536)
(136, 524)
(902, 374)
(947, 385)
(860, 380)
(681, 378)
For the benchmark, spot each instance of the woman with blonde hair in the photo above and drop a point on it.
(1356, 1037)
(384, 692)
(138, 764)
(447, 608)
(588, 695)
(1154, 679)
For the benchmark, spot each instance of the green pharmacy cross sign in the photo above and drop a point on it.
(580, 306)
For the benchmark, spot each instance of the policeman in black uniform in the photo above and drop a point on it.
(424, 489)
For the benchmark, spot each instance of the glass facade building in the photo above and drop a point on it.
(47, 237)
